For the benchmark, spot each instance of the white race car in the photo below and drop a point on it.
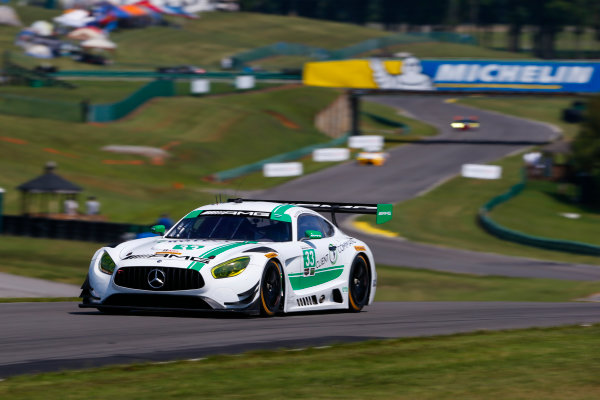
(251, 256)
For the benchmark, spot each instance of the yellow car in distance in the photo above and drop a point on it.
(465, 123)
(376, 158)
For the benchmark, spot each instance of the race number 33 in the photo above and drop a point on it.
(310, 261)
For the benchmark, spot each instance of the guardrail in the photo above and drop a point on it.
(492, 227)
(257, 166)
(113, 111)
(389, 122)
(158, 75)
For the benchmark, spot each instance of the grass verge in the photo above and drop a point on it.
(525, 364)
(447, 216)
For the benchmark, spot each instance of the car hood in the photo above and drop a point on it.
(180, 252)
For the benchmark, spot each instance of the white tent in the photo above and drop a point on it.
(39, 51)
(86, 33)
(42, 28)
(99, 43)
(74, 18)
(8, 16)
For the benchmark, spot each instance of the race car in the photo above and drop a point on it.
(465, 123)
(252, 256)
(371, 156)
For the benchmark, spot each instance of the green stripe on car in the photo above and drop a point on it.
(324, 275)
(278, 213)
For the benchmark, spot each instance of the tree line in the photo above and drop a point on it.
(547, 17)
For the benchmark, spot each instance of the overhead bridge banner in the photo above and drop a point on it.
(457, 75)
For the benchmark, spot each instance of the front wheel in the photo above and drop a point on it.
(358, 285)
(271, 289)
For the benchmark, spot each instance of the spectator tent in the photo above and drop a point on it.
(46, 193)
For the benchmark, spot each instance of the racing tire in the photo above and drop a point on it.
(358, 284)
(271, 289)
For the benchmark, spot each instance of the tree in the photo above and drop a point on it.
(586, 146)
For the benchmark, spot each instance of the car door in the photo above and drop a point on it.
(318, 255)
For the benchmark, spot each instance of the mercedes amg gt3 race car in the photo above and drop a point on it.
(251, 256)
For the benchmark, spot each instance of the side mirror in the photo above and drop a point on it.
(313, 234)
(158, 229)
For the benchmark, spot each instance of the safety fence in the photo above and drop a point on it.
(257, 166)
(225, 75)
(41, 108)
(295, 49)
(502, 232)
(113, 111)
(91, 231)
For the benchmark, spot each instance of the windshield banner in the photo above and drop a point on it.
(456, 75)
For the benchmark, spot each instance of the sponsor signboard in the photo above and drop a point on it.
(456, 75)
(331, 154)
(272, 170)
(200, 86)
(481, 171)
(367, 142)
(245, 82)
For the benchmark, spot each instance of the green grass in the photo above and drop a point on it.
(450, 50)
(447, 216)
(531, 364)
(537, 211)
(207, 134)
(67, 262)
(546, 110)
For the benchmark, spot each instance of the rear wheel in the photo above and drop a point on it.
(358, 285)
(271, 289)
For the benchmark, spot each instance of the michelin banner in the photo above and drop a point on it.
(414, 74)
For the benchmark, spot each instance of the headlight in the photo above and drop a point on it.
(230, 268)
(107, 265)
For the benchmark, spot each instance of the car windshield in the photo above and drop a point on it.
(232, 227)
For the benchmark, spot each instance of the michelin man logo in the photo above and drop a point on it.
(411, 77)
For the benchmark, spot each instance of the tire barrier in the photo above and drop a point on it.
(492, 227)
(89, 231)
(257, 166)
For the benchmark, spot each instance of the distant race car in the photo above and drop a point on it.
(465, 123)
(251, 256)
(181, 69)
(371, 158)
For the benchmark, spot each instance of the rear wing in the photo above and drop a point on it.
(383, 212)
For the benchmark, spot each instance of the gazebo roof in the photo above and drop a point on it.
(49, 182)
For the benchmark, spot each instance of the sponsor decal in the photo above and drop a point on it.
(345, 289)
(237, 213)
(333, 255)
(167, 252)
(187, 247)
(342, 247)
(464, 75)
(169, 256)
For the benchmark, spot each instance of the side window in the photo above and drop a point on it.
(327, 229)
(308, 222)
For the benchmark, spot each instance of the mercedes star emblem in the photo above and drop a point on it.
(156, 278)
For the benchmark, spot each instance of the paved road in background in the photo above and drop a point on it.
(415, 168)
(51, 336)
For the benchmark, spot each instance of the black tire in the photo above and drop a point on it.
(271, 289)
(359, 284)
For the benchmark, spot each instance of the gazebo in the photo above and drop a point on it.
(46, 193)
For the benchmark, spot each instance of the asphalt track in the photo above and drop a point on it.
(37, 337)
(51, 336)
(413, 169)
